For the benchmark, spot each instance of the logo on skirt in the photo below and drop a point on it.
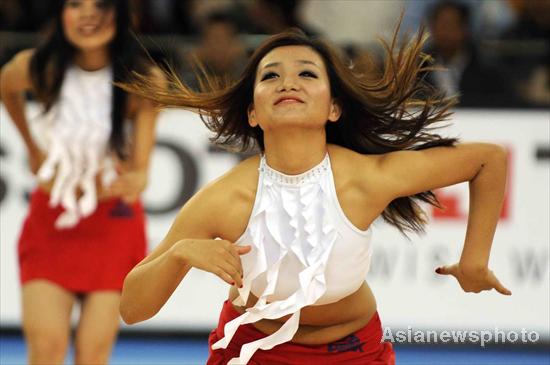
(349, 343)
(121, 210)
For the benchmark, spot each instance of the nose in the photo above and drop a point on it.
(88, 9)
(288, 83)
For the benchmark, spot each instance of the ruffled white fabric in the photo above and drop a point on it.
(77, 131)
(291, 224)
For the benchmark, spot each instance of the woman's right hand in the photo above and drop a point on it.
(220, 257)
(36, 158)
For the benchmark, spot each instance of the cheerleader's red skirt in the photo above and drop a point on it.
(94, 255)
(363, 347)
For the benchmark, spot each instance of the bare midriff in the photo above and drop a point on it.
(322, 324)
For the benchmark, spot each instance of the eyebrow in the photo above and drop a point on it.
(304, 62)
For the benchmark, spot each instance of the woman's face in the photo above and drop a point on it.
(292, 88)
(89, 24)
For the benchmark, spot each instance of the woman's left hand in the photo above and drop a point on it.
(474, 281)
(128, 185)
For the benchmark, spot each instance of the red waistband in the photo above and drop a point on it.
(361, 347)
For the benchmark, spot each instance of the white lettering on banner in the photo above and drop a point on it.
(407, 290)
(483, 337)
(530, 264)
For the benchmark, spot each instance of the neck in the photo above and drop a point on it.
(92, 60)
(296, 151)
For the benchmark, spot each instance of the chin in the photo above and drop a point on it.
(296, 122)
(93, 46)
(90, 43)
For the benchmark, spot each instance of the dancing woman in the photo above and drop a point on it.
(85, 226)
(289, 228)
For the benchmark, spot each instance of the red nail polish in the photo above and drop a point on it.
(438, 270)
(232, 283)
(240, 287)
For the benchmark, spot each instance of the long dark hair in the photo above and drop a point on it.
(51, 59)
(394, 111)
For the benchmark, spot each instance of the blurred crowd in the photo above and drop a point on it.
(494, 53)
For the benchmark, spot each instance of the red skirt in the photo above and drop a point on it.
(359, 348)
(94, 255)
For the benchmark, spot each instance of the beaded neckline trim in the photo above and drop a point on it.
(309, 176)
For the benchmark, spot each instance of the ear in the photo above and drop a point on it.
(252, 116)
(335, 110)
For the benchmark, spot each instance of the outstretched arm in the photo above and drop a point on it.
(484, 166)
(189, 243)
(15, 79)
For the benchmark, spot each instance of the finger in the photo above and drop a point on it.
(236, 260)
(230, 267)
(444, 270)
(222, 274)
(241, 250)
(501, 289)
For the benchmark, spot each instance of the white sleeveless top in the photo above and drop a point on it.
(77, 130)
(305, 252)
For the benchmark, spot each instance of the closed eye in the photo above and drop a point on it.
(308, 74)
(269, 75)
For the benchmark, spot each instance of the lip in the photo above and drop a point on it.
(88, 28)
(288, 99)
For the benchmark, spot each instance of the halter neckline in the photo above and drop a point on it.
(309, 176)
(107, 69)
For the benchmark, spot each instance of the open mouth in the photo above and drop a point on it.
(88, 29)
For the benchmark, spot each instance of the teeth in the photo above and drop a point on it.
(87, 29)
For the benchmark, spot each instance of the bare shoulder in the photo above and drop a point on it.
(355, 167)
(348, 160)
(239, 183)
(233, 195)
(359, 182)
(16, 73)
(247, 168)
(23, 58)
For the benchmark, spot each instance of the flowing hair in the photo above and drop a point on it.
(394, 111)
(52, 58)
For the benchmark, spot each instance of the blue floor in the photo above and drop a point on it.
(164, 351)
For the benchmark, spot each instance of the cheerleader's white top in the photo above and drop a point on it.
(305, 252)
(77, 130)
